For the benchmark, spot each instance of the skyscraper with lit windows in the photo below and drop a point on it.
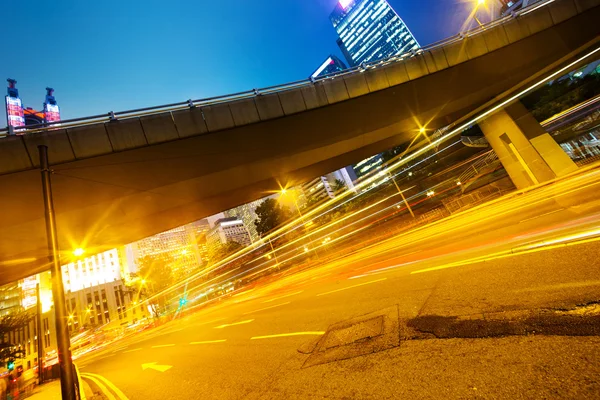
(370, 30)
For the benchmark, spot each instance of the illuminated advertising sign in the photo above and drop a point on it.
(14, 111)
(52, 113)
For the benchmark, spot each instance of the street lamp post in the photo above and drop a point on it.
(38, 336)
(67, 381)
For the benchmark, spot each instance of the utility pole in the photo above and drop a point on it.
(67, 378)
(38, 333)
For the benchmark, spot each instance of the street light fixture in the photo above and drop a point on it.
(78, 252)
(480, 3)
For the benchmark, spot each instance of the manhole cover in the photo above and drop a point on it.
(359, 336)
(354, 333)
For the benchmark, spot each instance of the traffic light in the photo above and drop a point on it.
(11, 365)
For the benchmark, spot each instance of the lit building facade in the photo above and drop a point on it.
(96, 294)
(201, 228)
(368, 166)
(369, 30)
(22, 296)
(227, 230)
(315, 190)
(330, 66)
(326, 186)
(247, 213)
(180, 244)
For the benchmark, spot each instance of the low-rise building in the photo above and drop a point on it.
(227, 230)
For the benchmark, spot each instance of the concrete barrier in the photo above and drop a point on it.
(89, 141)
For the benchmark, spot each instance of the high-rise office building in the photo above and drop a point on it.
(179, 243)
(370, 30)
(227, 230)
(330, 66)
(95, 292)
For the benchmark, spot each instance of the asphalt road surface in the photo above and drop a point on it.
(375, 323)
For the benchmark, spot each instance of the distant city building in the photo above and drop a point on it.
(369, 30)
(95, 292)
(22, 296)
(345, 175)
(10, 298)
(227, 230)
(179, 244)
(247, 213)
(201, 229)
(325, 186)
(315, 190)
(368, 165)
(330, 66)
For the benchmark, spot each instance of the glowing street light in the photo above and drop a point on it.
(430, 193)
(78, 252)
(480, 3)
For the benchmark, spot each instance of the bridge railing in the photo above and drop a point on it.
(140, 112)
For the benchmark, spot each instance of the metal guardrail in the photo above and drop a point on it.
(140, 112)
(486, 159)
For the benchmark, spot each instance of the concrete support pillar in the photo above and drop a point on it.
(527, 152)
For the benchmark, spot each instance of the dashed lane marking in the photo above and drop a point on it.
(351, 287)
(234, 324)
(316, 333)
(209, 341)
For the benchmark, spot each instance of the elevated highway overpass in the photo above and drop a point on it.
(148, 171)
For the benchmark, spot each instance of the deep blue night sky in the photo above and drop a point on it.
(118, 55)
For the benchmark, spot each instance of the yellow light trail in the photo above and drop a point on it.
(283, 297)
(351, 287)
(266, 308)
(234, 324)
(315, 333)
(158, 346)
(569, 240)
(132, 350)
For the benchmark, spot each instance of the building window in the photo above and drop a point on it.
(98, 308)
(105, 306)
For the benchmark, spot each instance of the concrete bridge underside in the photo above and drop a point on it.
(119, 182)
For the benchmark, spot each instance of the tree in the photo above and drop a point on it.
(270, 215)
(339, 185)
(9, 352)
(225, 250)
(156, 275)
